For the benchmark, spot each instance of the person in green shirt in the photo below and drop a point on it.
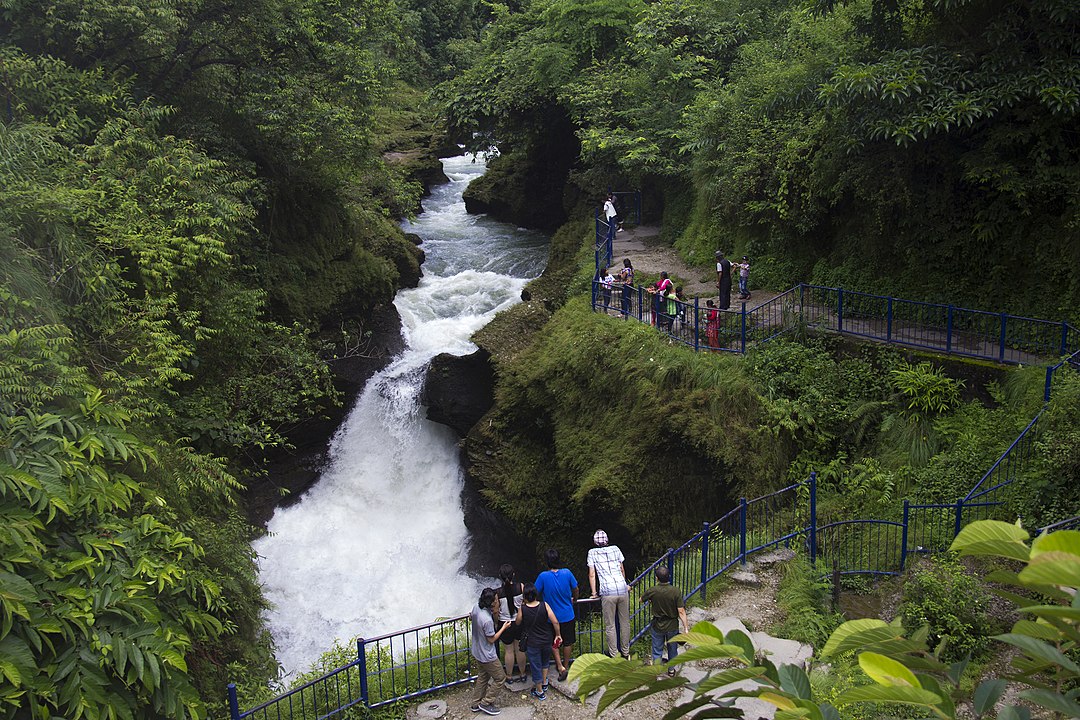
(668, 615)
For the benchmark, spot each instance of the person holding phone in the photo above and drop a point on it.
(489, 672)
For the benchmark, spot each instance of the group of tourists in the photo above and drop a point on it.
(669, 306)
(536, 623)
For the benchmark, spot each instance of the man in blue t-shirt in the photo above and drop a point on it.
(559, 589)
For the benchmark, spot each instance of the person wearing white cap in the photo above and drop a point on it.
(606, 569)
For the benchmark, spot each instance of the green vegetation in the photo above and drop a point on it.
(193, 204)
(900, 672)
(923, 150)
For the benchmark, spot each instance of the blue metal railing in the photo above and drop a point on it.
(427, 658)
(1005, 338)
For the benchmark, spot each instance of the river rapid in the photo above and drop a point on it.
(378, 543)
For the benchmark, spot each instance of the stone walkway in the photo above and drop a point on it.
(748, 604)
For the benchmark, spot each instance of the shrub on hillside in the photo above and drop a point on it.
(944, 595)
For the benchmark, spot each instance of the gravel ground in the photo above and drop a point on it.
(753, 604)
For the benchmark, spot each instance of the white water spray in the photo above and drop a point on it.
(378, 543)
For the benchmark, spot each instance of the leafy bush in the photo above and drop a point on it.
(932, 597)
(804, 597)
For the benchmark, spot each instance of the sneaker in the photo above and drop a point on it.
(671, 672)
(546, 686)
(538, 695)
(490, 709)
(619, 230)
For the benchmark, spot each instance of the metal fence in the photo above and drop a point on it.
(630, 203)
(405, 664)
(948, 329)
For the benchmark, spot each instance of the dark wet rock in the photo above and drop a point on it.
(458, 390)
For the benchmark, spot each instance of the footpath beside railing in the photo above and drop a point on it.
(409, 663)
(948, 329)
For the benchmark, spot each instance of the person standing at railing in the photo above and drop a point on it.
(606, 570)
(744, 277)
(541, 631)
(612, 215)
(559, 589)
(658, 290)
(626, 277)
(723, 281)
(606, 281)
(712, 325)
(489, 673)
(668, 615)
(510, 599)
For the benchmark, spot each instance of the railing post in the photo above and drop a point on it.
(671, 565)
(948, 330)
(1001, 340)
(697, 323)
(705, 536)
(904, 535)
(1049, 381)
(1064, 338)
(594, 284)
(840, 310)
(361, 657)
(813, 517)
(888, 321)
(640, 308)
(742, 330)
(742, 530)
(959, 516)
(234, 704)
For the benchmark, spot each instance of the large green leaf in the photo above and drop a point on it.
(1066, 541)
(992, 537)
(854, 634)
(742, 640)
(793, 679)
(888, 694)
(731, 675)
(1039, 650)
(887, 671)
(987, 695)
(1052, 568)
(1053, 701)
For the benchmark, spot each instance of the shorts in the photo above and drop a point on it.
(568, 630)
(511, 634)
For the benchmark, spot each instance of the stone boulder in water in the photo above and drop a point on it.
(458, 390)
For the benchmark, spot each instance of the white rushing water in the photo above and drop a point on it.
(378, 543)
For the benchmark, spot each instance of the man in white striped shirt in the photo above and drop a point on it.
(606, 569)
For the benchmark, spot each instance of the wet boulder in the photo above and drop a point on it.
(458, 390)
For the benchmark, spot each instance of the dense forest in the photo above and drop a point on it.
(198, 224)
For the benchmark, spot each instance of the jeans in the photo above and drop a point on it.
(742, 285)
(539, 658)
(659, 639)
(610, 606)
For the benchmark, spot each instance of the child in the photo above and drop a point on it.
(712, 324)
(606, 281)
(744, 277)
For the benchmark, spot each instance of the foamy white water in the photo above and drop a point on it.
(378, 543)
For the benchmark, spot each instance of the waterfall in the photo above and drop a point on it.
(378, 543)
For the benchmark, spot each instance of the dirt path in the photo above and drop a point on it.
(651, 256)
(751, 599)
